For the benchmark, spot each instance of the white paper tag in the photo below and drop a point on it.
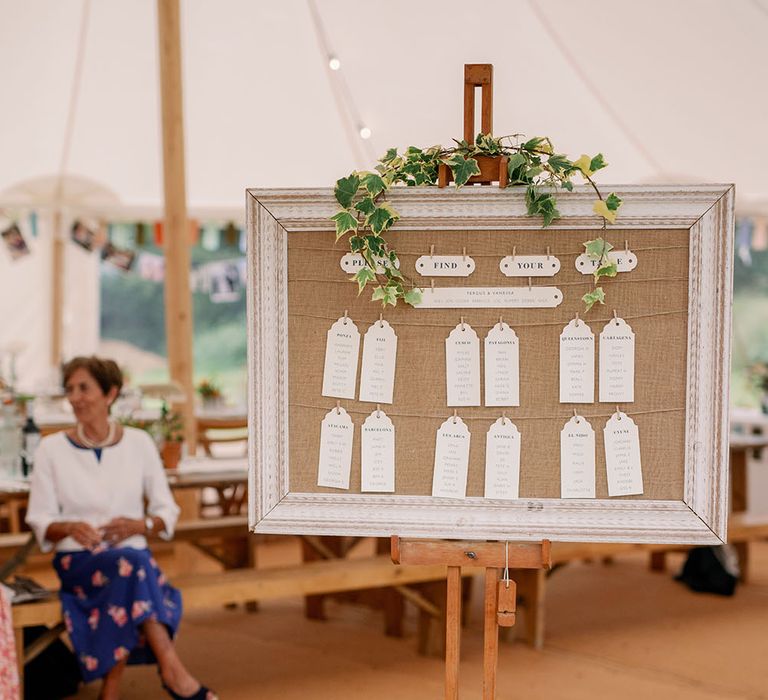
(377, 378)
(622, 456)
(342, 347)
(352, 262)
(445, 265)
(617, 362)
(490, 298)
(577, 459)
(577, 363)
(625, 260)
(336, 432)
(529, 265)
(377, 452)
(462, 366)
(502, 460)
(449, 479)
(502, 367)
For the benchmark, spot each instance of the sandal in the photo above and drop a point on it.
(201, 694)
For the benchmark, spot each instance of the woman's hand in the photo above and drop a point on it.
(84, 534)
(119, 529)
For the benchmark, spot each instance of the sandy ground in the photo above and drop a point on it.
(612, 631)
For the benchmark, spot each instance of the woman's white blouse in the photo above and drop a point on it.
(69, 483)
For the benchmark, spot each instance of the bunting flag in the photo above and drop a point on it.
(193, 232)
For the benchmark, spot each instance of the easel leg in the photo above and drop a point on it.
(453, 633)
(490, 635)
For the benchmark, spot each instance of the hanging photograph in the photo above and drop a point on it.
(84, 235)
(119, 257)
(14, 242)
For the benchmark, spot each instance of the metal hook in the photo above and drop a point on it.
(506, 564)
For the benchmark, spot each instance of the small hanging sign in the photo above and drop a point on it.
(529, 265)
(625, 261)
(352, 262)
(445, 265)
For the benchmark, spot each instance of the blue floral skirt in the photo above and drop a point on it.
(106, 596)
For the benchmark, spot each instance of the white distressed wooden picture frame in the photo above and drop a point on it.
(700, 517)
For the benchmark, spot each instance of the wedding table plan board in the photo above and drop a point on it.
(498, 408)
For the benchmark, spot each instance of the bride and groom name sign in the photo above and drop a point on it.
(497, 408)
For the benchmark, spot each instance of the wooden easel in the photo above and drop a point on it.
(492, 168)
(494, 557)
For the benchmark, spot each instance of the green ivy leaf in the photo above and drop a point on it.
(612, 202)
(533, 143)
(346, 189)
(375, 244)
(559, 163)
(390, 155)
(608, 269)
(382, 218)
(462, 168)
(356, 243)
(378, 294)
(345, 223)
(363, 276)
(567, 185)
(413, 296)
(597, 295)
(365, 206)
(373, 183)
(597, 248)
(597, 163)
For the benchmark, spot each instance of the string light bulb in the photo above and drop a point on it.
(334, 63)
(365, 132)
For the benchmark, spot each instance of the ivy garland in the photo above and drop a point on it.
(366, 215)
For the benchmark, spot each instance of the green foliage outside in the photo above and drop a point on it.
(132, 310)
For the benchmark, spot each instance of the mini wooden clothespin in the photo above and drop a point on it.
(529, 284)
(431, 251)
(381, 320)
(463, 253)
(338, 408)
(501, 323)
(345, 316)
(506, 601)
(455, 415)
(378, 410)
(547, 252)
(577, 318)
(462, 322)
(615, 317)
(626, 246)
(514, 251)
(618, 412)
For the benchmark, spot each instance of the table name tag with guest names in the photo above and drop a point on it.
(577, 459)
(377, 453)
(462, 366)
(449, 479)
(489, 298)
(577, 363)
(377, 377)
(336, 433)
(502, 367)
(617, 362)
(529, 265)
(622, 456)
(502, 460)
(445, 266)
(342, 348)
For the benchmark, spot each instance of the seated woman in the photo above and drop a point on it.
(87, 497)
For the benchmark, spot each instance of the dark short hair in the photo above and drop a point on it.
(106, 372)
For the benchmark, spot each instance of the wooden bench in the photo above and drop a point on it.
(202, 591)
